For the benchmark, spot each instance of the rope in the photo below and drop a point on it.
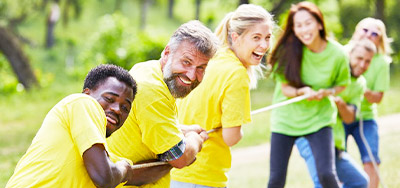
(371, 156)
(292, 100)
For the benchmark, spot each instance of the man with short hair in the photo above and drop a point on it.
(151, 131)
(70, 149)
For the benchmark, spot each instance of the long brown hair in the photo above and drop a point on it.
(288, 51)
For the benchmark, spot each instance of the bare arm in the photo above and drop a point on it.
(373, 96)
(102, 171)
(193, 145)
(148, 175)
(232, 135)
(346, 112)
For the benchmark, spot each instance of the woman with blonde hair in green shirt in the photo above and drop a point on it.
(378, 80)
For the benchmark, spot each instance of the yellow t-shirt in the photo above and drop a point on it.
(54, 158)
(150, 128)
(221, 100)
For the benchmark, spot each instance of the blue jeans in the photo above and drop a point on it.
(349, 173)
(178, 184)
(371, 134)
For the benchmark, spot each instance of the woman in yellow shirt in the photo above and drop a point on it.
(223, 97)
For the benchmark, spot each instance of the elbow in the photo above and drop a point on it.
(233, 141)
(105, 182)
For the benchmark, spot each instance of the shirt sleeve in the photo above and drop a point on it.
(174, 153)
(157, 122)
(343, 72)
(236, 101)
(87, 124)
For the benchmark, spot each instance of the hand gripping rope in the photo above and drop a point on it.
(292, 100)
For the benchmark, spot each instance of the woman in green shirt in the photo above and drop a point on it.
(378, 79)
(306, 62)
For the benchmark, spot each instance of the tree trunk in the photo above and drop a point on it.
(198, 4)
(244, 2)
(380, 7)
(171, 9)
(19, 62)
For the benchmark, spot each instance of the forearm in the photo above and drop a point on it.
(373, 96)
(193, 144)
(232, 135)
(289, 91)
(346, 113)
(148, 175)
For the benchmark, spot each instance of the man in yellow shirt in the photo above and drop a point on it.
(70, 150)
(151, 131)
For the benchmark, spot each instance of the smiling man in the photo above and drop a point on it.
(151, 131)
(70, 150)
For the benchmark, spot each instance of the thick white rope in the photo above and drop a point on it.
(290, 101)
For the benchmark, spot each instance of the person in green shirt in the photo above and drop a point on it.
(347, 102)
(304, 61)
(378, 80)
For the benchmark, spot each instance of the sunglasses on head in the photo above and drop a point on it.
(372, 34)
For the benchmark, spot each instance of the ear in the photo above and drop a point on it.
(86, 91)
(320, 26)
(234, 37)
(164, 55)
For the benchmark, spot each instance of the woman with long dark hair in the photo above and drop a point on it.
(304, 61)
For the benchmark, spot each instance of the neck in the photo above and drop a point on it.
(318, 45)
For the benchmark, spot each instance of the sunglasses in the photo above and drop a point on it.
(372, 33)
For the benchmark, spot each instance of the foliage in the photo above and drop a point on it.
(117, 43)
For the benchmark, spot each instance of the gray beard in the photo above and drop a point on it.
(177, 91)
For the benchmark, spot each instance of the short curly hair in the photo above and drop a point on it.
(99, 74)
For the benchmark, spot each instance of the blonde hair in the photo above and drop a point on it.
(238, 21)
(384, 41)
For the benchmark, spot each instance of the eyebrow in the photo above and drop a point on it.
(112, 93)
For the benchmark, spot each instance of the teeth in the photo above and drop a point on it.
(185, 81)
(307, 36)
(258, 53)
(111, 120)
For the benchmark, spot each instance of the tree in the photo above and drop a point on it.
(379, 11)
(244, 2)
(198, 3)
(171, 4)
(12, 50)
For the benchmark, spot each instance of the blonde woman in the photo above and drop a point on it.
(378, 79)
(222, 100)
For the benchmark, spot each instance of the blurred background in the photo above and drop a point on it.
(48, 46)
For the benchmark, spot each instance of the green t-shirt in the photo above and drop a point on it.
(378, 79)
(326, 69)
(353, 94)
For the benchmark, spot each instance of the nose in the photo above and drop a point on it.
(264, 45)
(115, 108)
(191, 73)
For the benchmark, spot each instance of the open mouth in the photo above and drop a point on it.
(112, 120)
(258, 55)
(184, 80)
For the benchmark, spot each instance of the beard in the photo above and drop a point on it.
(177, 90)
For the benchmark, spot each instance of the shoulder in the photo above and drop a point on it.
(337, 49)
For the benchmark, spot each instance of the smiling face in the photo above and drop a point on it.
(251, 45)
(306, 28)
(360, 59)
(183, 68)
(115, 97)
